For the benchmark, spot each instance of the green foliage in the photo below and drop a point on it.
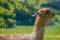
(10, 23)
(21, 10)
(2, 23)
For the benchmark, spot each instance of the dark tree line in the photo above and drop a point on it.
(21, 11)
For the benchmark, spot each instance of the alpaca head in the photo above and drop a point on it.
(44, 13)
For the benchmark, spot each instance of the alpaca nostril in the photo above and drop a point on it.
(35, 14)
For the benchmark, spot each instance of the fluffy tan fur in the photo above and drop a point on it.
(42, 16)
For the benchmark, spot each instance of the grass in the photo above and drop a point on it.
(51, 38)
(54, 31)
(17, 30)
(28, 29)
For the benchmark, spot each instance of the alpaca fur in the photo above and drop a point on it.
(42, 16)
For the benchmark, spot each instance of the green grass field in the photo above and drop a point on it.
(50, 33)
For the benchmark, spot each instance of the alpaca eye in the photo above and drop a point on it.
(41, 10)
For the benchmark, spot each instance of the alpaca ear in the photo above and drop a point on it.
(53, 14)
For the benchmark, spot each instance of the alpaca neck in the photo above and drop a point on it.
(39, 28)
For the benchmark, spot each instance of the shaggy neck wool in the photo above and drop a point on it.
(39, 28)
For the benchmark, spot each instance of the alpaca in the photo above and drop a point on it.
(42, 16)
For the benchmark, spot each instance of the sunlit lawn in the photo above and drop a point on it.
(54, 31)
(18, 29)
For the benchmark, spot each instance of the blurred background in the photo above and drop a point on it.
(17, 14)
